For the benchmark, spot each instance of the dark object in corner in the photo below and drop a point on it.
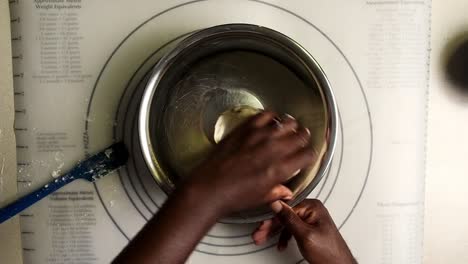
(457, 66)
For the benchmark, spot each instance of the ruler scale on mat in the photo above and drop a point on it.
(79, 70)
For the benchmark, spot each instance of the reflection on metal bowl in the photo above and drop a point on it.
(220, 68)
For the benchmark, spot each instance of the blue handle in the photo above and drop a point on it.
(91, 169)
(24, 202)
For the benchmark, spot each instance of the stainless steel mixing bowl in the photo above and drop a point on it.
(222, 67)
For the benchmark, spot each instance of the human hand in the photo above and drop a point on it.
(313, 228)
(248, 167)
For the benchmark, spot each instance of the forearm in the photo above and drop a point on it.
(173, 233)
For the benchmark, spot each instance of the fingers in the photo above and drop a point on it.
(288, 125)
(285, 156)
(278, 137)
(267, 229)
(256, 122)
(262, 119)
(291, 143)
(279, 192)
(289, 218)
(297, 161)
(312, 212)
(260, 235)
(273, 130)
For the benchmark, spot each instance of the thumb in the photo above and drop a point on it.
(279, 192)
(289, 218)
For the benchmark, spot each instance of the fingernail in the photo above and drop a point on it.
(287, 198)
(307, 131)
(276, 206)
(289, 116)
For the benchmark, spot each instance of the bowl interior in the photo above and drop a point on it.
(215, 74)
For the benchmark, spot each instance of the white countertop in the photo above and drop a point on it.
(446, 219)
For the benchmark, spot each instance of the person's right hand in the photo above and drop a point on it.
(248, 167)
(316, 234)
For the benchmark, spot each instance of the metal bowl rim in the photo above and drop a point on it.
(161, 67)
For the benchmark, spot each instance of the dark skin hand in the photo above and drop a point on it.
(246, 170)
(313, 228)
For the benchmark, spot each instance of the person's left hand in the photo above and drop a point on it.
(309, 222)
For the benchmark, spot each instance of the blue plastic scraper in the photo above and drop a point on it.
(91, 169)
